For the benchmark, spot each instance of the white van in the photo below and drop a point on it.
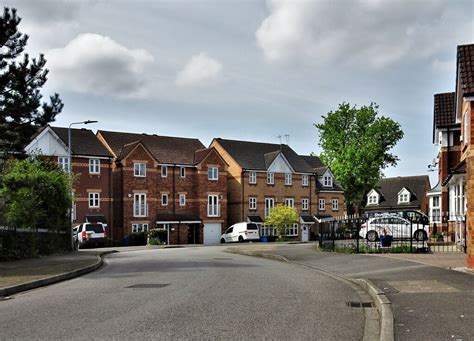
(241, 232)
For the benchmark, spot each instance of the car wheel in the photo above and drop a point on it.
(222, 241)
(241, 239)
(420, 235)
(372, 236)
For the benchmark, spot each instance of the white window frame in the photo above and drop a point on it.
(292, 230)
(182, 199)
(372, 200)
(290, 202)
(305, 180)
(269, 206)
(138, 228)
(94, 199)
(140, 207)
(63, 163)
(252, 203)
(164, 202)
(138, 167)
(213, 173)
(288, 179)
(335, 204)
(327, 181)
(305, 204)
(164, 171)
(435, 215)
(252, 178)
(403, 198)
(213, 205)
(322, 204)
(182, 172)
(94, 166)
(270, 178)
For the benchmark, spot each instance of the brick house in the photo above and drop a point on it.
(169, 182)
(403, 195)
(447, 136)
(91, 166)
(262, 175)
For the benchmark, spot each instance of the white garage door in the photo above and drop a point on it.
(212, 233)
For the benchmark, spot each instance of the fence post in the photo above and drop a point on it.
(465, 234)
(333, 235)
(357, 233)
(321, 234)
(411, 235)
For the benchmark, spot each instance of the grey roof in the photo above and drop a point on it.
(390, 187)
(83, 142)
(165, 149)
(259, 156)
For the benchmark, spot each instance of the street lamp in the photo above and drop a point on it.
(69, 144)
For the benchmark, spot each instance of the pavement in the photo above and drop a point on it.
(429, 300)
(189, 293)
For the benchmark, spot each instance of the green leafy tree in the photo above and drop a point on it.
(35, 194)
(21, 109)
(281, 217)
(356, 145)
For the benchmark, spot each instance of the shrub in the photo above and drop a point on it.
(157, 236)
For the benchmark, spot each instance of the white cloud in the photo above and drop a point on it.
(199, 70)
(92, 63)
(378, 33)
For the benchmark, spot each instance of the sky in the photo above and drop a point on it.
(250, 70)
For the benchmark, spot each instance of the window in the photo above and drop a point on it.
(164, 171)
(304, 180)
(139, 169)
(212, 205)
(213, 173)
(335, 204)
(269, 205)
(140, 208)
(403, 198)
(252, 203)
(290, 202)
(137, 228)
(94, 166)
(182, 200)
(288, 179)
(304, 204)
(267, 230)
(270, 179)
(63, 163)
(292, 230)
(252, 178)
(182, 172)
(327, 181)
(164, 199)
(94, 199)
(435, 210)
(322, 204)
(373, 200)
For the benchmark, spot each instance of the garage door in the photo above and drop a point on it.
(212, 233)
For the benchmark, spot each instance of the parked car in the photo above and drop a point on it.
(241, 232)
(89, 234)
(394, 226)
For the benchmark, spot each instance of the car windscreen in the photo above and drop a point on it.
(97, 228)
(252, 227)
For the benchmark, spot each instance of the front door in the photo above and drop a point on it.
(304, 233)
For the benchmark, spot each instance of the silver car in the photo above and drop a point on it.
(394, 226)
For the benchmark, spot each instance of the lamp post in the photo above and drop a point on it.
(69, 146)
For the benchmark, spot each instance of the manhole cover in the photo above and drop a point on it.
(360, 304)
(147, 286)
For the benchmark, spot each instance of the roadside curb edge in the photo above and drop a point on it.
(15, 289)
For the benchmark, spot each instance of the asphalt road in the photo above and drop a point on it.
(195, 293)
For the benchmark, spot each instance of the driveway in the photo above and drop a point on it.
(188, 293)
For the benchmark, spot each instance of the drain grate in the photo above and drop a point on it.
(360, 304)
(147, 286)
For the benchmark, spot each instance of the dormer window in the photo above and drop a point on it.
(372, 198)
(327, 181)
(404, 196)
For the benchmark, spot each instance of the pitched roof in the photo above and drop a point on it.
(320, 168)
(259, 156)
(465, 65)
(165, 149)
(83, 142)
(390, 187)
(460, 168)
(444, 110)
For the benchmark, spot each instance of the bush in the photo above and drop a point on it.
(137, 239)
(157, 237)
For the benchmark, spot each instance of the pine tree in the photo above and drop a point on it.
(21, 109)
